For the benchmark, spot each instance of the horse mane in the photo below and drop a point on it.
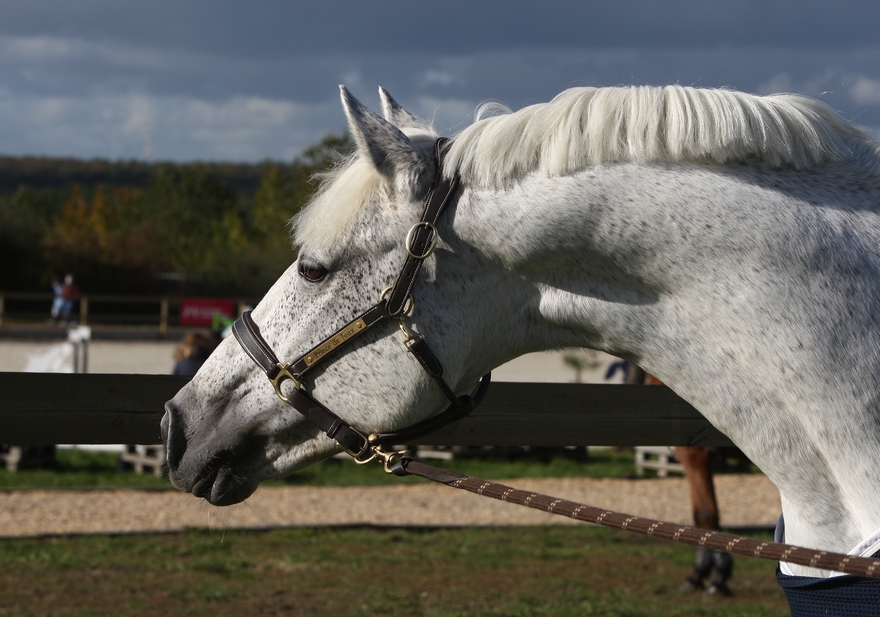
(582, 127)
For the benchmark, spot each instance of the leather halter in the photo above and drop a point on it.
(395, 303)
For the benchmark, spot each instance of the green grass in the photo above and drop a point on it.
(85, 469)
(558, 571)
(600, 464)
(80, 469)
(554, 571)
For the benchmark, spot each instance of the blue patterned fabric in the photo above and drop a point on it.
(840, 596)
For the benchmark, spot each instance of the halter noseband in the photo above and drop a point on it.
(395, 303)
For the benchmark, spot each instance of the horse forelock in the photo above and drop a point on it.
(344, 192)
(592, 126)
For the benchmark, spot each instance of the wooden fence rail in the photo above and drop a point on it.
(159, 313)
(44, 408)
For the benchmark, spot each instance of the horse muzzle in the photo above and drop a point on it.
(219, 474)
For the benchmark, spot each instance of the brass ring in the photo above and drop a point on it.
(408, 306)
(410, 238)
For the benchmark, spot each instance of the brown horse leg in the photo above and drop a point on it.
(697, 463)
(698, 471)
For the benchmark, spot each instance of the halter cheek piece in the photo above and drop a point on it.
(395, 303)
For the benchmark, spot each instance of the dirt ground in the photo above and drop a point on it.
(152, 358)
(745, 501)
(155, 358)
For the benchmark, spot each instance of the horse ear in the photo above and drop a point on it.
(393, 154)
(397, 115)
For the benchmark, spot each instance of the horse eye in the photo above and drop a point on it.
(311, 272)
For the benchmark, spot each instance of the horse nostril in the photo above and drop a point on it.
(173, 436)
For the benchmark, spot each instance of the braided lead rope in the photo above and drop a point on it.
(715, 540)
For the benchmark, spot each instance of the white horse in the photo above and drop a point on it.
(727, 243)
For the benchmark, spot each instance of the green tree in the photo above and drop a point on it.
(584, 360)
(25, 218)
(222, 227)
(188, 206)
(97, 238)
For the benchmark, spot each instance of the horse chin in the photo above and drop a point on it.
(224, 487)
(222, 483)
(232, 483)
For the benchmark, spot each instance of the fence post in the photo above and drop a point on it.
(84, 310)
(163, 318)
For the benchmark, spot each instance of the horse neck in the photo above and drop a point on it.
(595, 255)
(711, 295)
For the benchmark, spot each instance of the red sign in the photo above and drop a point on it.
(201, 311)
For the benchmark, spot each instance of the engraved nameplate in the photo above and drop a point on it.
(338, 339)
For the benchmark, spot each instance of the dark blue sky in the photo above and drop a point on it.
(244, 81)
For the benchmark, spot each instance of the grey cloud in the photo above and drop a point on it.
(268, 29)
(229, 80)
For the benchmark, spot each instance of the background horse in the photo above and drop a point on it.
(727, 243)
(698, 463)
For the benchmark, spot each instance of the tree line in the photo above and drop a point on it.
(140, 228)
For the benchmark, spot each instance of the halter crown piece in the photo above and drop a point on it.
(395, 303)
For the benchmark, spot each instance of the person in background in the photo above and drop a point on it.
(192, 353)
(57, 300)
(69, 294)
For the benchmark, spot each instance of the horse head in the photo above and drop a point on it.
(226, 431)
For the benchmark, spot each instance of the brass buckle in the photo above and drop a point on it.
(411, 236)
(365, 449)
(283, 374)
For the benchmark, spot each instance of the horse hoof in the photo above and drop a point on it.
(719, 589)
(690, 585)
